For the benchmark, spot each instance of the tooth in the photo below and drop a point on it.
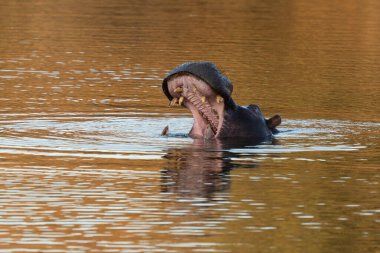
(180, 100)
(165, 131)
(178, 89)
(208, 134)
(203, 99)
(173, 102)
(219, 99)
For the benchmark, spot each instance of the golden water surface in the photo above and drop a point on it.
(83, 167)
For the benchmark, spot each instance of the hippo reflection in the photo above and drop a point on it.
(206, 92)
(203, 168)
(194, 171)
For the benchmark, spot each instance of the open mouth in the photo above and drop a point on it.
(204, 103)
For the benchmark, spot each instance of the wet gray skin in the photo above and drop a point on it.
(206, 92)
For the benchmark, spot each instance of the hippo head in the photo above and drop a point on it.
(201, 88)
(206, 92)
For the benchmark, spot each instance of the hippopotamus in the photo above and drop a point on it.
(206, 92)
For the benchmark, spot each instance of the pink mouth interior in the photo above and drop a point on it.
(206, 106)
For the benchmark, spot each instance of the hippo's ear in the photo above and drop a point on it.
(274, 121)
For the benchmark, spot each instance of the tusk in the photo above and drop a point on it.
(173, 102)
(219, 99)
(180, 100)
(165, 131)
(178, 89)
(208, 133)
(203, 99)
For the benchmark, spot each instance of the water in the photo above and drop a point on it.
(83, 167)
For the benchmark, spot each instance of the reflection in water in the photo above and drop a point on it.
(194, 173)
(203, 168)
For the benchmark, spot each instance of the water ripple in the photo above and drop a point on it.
(139, 138)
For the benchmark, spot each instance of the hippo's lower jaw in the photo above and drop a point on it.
(206, 105)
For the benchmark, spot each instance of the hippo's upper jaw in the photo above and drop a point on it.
(202, 88)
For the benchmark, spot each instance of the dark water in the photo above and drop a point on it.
(83, 167)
